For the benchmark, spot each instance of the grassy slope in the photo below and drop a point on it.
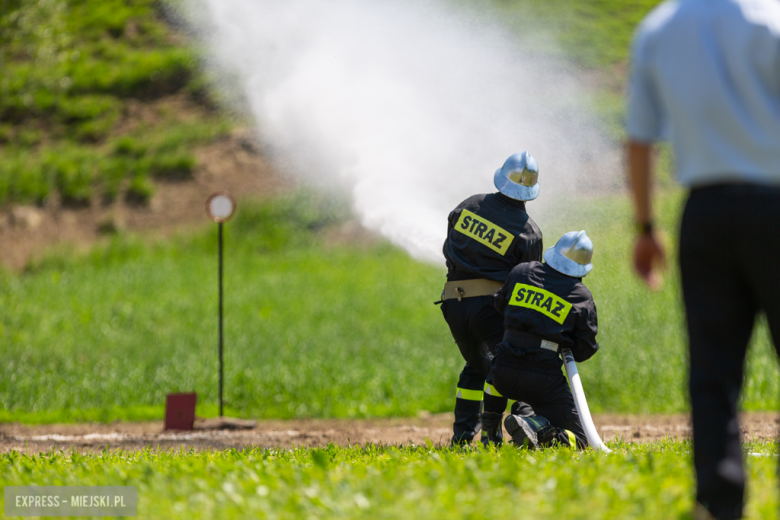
(69, 71)
(596, 33)
(651, 481)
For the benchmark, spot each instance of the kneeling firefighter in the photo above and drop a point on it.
(487, 236)
(546, 308)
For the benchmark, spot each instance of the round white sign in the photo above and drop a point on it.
(220, 206)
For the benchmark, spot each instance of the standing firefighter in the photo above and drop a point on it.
(487, 236)
(546, 308)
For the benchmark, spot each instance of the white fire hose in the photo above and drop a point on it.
(579, 401)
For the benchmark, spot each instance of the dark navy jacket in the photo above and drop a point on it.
(487, 236)
(539, 300)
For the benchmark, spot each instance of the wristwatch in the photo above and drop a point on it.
(645, 228)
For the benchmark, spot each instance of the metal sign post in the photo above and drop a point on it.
(220, 207)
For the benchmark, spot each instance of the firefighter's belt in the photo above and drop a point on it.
(470, 288)
(527, 340)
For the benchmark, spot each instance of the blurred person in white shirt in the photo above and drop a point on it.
(706, 76)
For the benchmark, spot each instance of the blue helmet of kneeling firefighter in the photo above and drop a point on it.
(519, 177)
(572, 255)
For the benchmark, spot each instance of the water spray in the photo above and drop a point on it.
(409, 105)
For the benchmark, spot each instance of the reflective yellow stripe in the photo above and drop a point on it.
(572, 440)
(485, 232)
(469, 395)
(537, 299)
(491, 390)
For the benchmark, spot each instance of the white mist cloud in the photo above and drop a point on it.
(411, 105)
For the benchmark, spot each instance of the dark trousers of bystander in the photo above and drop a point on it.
(730, 267)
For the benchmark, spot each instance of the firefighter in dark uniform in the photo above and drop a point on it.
(546, 309)
(487, 236)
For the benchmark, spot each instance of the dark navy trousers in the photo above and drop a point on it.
(477, 328)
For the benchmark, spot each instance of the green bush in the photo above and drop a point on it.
(77, 170)
(73, 176)
(23, 177)
(31, 185)
(95, 130)
(85, 108)
(126, 72)
(113, 170)
(129, 146)
(6, 132)
(172, 165)
(140, 190)
(28, 136)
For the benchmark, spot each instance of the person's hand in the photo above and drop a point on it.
(648, 254)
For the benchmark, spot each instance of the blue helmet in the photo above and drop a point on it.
(572, 255)
(518, 178)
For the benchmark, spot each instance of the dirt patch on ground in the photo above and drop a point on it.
(320, 432)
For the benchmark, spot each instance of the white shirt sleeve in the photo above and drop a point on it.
(646, 119)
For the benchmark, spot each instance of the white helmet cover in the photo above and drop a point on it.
(518, 177)
(572, 255)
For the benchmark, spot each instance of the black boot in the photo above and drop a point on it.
(467, 424)
(522, 409)
(531, 432)
(492, 433)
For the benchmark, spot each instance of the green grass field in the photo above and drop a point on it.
(650, 481)
(313, 329)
